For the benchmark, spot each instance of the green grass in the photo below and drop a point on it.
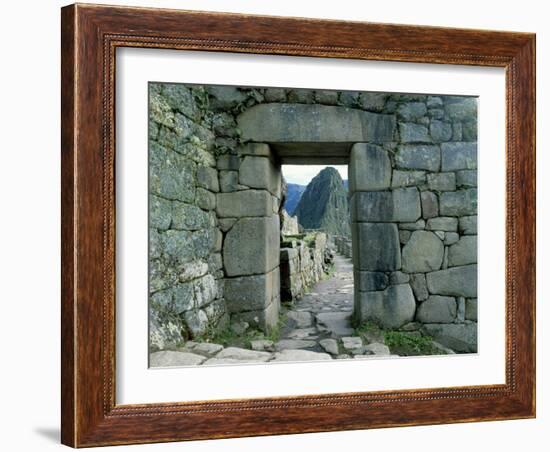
(275, 333)
(410, 344)
(309, 240)
(400, 342)
(367, 327)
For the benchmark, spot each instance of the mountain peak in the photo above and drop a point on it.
(324, 204)
(330, 171)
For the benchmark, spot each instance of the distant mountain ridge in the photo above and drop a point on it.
(293, 195)
(324, 204)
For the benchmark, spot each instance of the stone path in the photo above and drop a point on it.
(323, 313)
(317, 327)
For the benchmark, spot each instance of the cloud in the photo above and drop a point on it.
(302, 174)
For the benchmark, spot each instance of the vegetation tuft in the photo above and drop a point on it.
(410, 343)
(403, 343)
(228, 337)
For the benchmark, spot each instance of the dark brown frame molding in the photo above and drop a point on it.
(90, 35)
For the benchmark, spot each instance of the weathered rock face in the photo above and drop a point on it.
(422, 253)
(437, 309)
(464, 251)
(371, 281)
(173, 358)
(299, 123)
(430, 204)
(260, 172)
(468, 225)
(413, 133)
(324, 204)
(442, 224)
(391, 308)
(407, 178)
(422, 157)
(244, 203)
(457, 281)
(376, 247)
(369, 168)
(251, 246)
(471, 309)
(399, 205)
(459, 203)
(458, 156)
(459, 337)
(250, 293)
(442, 181)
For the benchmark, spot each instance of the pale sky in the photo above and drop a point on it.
(302, 174)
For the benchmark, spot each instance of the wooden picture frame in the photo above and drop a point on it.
(90, 36)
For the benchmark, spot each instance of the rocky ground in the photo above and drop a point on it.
(317, 327)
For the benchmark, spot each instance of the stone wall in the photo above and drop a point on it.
(343, 245)
(289, 225)
(415, 220)
(304, 261)
(185, 261)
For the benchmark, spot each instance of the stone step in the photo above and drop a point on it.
(300, 355)
(337, 323)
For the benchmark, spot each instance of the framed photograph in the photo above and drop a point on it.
(281, 225)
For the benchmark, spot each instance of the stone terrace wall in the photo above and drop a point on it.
(415, 223)
(289, 225)
(303, 263)
(343, 245)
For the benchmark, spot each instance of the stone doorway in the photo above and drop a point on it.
(314, 134)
